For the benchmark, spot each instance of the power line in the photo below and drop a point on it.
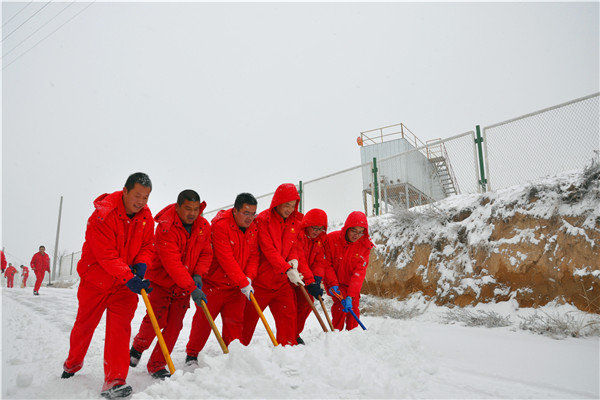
(34, 14)
(18, 12)
(47, 36)
(46, 23)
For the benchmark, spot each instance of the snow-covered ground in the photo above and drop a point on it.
(395, 358)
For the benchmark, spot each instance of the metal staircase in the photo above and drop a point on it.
(438, 157)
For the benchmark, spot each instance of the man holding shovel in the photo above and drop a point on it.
(119, 243)
(228, 283)
(183, 255)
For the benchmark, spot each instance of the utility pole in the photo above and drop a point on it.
(53, 274)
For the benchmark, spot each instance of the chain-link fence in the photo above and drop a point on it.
(67, 268)
(542, 143)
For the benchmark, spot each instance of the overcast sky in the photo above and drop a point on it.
(225, 98)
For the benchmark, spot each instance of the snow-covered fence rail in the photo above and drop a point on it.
(542, 143)
(67, 268)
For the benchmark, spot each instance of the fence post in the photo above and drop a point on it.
(300, 192)
(478, 141)
(375, 187)
(72, 258)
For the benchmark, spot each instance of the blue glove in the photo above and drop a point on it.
(136, 284)
(198, 295)
(334, 289)
(314, 289)
(347, 304)
(318, 279)
(198, 281)
(139, 269)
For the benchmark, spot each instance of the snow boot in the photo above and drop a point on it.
(191, 360)
(117, 391)
(35, 293)
(300, 341)
(161, 374)
(134, 357)
(67, 375)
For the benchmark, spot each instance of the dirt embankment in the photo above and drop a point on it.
(536, 244)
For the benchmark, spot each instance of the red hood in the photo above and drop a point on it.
(284, 193)
(315, 217)
(168, 215)
(356, 218)
(106, 202)
(222, 214)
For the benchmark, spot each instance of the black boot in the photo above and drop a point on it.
(117, 391)
(300, 341)
(67, 375)
(161, 374)
(134, 357)
(191, 360)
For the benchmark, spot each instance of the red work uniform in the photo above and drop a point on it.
(349, 262)
(2, 261)
(9, 273)
(25, 273)
(277, 243)
(235, 259)
(312, 255)
(40, 264)
(179, 256)
(113, 243)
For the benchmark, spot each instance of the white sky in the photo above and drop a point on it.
(225, 98)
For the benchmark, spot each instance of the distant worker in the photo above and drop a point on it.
(119, 244)
(25, 275)
(9, 273)
(311, 239)
(278, 228)
(348, 251)
(2, 261)
(228, 283)
(183, 256)
(40, 264)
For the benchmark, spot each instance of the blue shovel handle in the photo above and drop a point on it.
(358, 320)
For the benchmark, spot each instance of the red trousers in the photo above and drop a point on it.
(119, 303)
(25, 280)
(304, 310)
(10, 281)
(39, 277)
(340, 318)
(282, 303)
(230, 304)
(169, 308)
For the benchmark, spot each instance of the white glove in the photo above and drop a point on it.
(293, 263)
(294, 276)
(246, 290)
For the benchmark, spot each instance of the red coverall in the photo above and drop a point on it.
(277, 243)
(312, 254)
(113, 242)
(235, 258)
(349, 262)
(179, 256)
(10, 276)
(2, 261)
(25, 275)
(40, 264)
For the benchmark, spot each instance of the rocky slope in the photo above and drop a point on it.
(534, 243)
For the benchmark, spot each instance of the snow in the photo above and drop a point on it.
(395, 358)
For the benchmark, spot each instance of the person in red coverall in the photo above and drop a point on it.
(9, 273)
(183, 256)
(311, 239)
(2, 261)
(40, 264)
(278, 229)
(348, 251)
(25, 274)
(119, 244)
(228, 283)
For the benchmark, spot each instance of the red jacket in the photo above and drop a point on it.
(179, 255)
(113, 242)
(25, 271)
(40, 262)
(10, 271)
(236, 252)
(277, 240)
(3, 260)
(313, 250)
(349, 260)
